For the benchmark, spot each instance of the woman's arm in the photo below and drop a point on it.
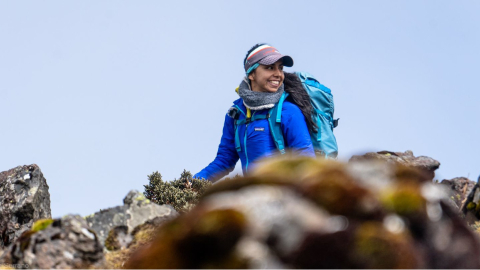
(227, 155)
(295, 130)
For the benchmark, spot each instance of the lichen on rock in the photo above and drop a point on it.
(24, 199)
(136, 210)
(62, 243)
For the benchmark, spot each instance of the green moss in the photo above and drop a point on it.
(41, 224)
(376, 247)
(111, 242)
(206, 238)
(336, 191)
(471, 206)
(476, 226)
(284, 170)
(140, 197)
(89, 216)
(405, 199)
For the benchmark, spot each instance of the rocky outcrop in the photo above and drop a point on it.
(135, 211)
(120, 237)
(121, 245)
(459, 188)
(426, 164)
(24, 198)
(305, 213)
(64, 243)
(471, 206)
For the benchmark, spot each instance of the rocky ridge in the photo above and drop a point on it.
(135, 211)
(379, 210)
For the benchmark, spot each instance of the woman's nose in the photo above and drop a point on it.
(277, 71)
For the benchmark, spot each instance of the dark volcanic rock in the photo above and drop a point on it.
(24, 198)
(459, 188)
(426, 164)
(136, 210)
(471, 207)
(65, 244)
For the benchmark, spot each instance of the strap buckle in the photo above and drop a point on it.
(233, 113)
(335, 122)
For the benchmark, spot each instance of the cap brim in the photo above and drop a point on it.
(271, 59)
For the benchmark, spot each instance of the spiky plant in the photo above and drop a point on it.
(183, 194)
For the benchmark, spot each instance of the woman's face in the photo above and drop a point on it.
(267, 78)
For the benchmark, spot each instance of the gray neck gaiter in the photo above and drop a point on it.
(258, 100)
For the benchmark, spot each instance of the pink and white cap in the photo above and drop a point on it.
(266, 55)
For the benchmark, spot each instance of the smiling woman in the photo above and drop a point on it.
(248, 133)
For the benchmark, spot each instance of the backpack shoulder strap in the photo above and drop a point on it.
(274, 121)
(237, 122)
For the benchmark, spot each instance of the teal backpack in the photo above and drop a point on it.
(324, 142)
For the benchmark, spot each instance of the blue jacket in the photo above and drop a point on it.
(256, 141)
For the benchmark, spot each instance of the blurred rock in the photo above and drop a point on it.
(135, 211)
(306, 213)
(64, 243)
(426, 164)
(24, 199)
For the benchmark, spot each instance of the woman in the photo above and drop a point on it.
(246, 132)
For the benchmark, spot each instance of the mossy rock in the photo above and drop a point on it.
(376, 247)
(404, 199)
(219, 230)
(41, 224)
(471, 206)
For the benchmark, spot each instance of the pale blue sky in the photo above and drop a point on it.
(100, 94)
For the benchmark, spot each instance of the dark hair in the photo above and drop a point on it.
(299, 96)
(251, 50)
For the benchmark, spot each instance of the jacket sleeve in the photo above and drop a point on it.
(227, 155)
(295, 130)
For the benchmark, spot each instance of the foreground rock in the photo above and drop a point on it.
(426, 164)
(64, 243)
(24, 198)
(305, 213)
(135, 211)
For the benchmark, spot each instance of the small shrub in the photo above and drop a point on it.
(183, 194)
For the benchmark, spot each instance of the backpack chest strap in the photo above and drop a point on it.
(246, 121)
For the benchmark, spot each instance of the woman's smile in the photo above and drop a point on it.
(274, 83)
(267, 78)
